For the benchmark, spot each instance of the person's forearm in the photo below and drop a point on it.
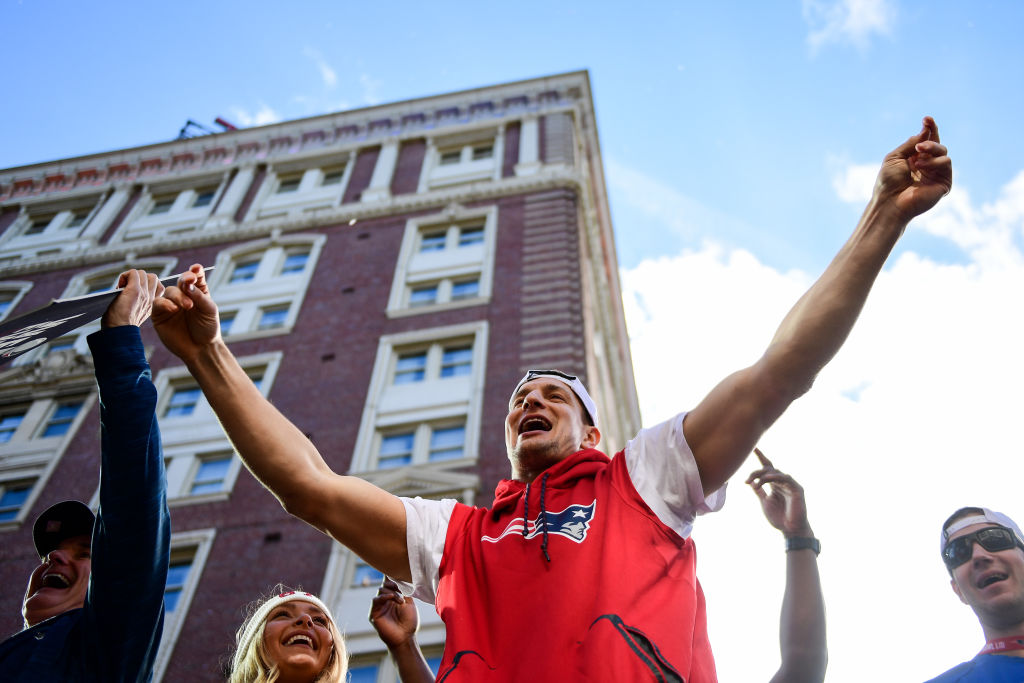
(816, 327)
(802, 623)
(412, 666)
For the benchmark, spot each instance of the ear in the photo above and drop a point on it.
(956, 589)
(591, 437)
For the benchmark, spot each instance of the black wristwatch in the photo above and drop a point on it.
(803, 543)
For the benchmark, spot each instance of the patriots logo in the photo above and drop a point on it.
(572, 523)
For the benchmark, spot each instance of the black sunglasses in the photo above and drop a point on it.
(533, 374)
(993, 539)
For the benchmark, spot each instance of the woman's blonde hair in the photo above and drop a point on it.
(252, 663)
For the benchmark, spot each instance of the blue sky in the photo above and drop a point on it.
(740, 140)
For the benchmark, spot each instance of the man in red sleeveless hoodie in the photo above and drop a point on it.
(583, 569)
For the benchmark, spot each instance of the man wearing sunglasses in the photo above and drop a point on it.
(984, 553)
(583, 568)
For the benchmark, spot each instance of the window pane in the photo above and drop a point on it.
(99, 285)
(457, 361)
(226, 321)
(14, 496)
(8, 424)
(177, 576)
(204, 198)
(452, 156)
(272, 318)
(183, 402)
(62, 418)
(363, 674)
(245, 270)
(421, 296)
(395, 450)
(77, 220)
(365, 575)
(447, 443)
(288, 184)
(37, 226)
(210, 476)
(295, 262)
(60, 344)
(483, 152)
(465, 290)
(411, 367)
(161, 205)
(333, 176)
(6, 299)
(471, 235)
(432, 241)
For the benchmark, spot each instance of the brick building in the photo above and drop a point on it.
(387, 274)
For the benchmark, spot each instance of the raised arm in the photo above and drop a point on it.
(396, 621)
(802, 620)
(726, 425)
(363, 517)
(124, 612)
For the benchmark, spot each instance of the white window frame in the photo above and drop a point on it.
(311, 193)
(182, 465)
(27, 455)
(446, 266)
(202, 539)
(268, 288)
(19, 290)
(181, 218)
(436, 174)
(200, 432)
(57, 236)
(433, 401)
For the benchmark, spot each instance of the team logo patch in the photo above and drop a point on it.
(572, 523)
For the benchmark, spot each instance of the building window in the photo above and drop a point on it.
(161, 205)
(13, 495)
(363, 673)
(244, 271)
(204, 197)
(262, 284)
(78, 219)
(333, 176)
(395, 450)
(183, 400)
(177, 576)
(10, 294)
(444, 265)
(211, 474)
(273, 317)
(457, 161)
(9, 423)
(411, 367)
(60, 420)
(288, 184)
(227, 319)
(37, 226)
(447, 443)
(485, 151)
(418, 444)
(364, 575)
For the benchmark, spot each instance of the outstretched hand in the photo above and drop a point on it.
(915, 175)
(393, 615)
(186, 317)
(784, 505)
(135, 302)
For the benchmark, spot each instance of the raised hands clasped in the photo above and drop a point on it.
(135, 302)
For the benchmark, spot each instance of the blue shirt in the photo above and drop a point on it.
(988, 668)
(115, 635)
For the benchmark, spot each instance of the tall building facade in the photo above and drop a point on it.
(386, 275)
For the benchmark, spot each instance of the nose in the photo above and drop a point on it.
(304, 619)
(58, 555)
(978, 552)
(532, 399)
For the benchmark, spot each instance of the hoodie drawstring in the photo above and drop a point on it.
(542, 518)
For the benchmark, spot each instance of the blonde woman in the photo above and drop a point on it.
(289, 637)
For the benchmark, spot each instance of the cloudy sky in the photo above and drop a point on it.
(740, 140)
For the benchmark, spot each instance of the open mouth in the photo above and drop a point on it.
(534, 424)
(56, 580)
(300, 639)
(990, 579)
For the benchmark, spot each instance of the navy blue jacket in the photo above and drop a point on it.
(115, 636)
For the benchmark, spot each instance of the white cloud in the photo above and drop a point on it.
(263, 116)
(854, 183)
(327, 74)
(847, 21)
(916, 416)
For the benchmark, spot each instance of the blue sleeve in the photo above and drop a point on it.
(124, 609)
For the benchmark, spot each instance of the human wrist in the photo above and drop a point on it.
(796, 543)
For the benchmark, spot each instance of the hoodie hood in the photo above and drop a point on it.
(583, 464)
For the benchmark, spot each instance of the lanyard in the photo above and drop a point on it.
(1003, 645)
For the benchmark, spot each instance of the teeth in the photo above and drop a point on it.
(300, 638)
(56, 581)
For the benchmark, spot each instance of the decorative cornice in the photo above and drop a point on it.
(555, 177)
(325, 134)
(64, 371)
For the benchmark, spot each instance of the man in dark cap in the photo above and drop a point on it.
(94, 605)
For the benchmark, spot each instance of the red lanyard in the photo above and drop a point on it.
(1003, 645)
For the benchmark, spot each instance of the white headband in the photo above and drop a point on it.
(570, 381)
(255, 624)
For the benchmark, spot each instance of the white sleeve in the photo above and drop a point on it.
(664, 473)
(426, 526)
